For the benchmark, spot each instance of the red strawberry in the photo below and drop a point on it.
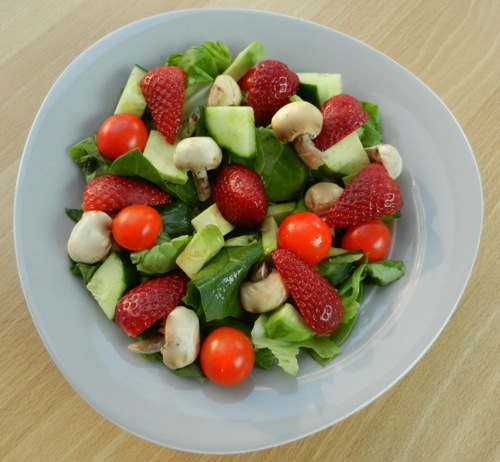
(114, 192)
(371, 194)
(342, 114)
(240, 196)
(270, 85)
(317, 300)
(164, 88)
(145, 304)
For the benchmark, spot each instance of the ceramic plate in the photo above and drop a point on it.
(437, 237)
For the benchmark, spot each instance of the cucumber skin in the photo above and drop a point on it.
(111, 281)
(233, 128)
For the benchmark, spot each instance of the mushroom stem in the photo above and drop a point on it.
(202, 185)
(310, 154)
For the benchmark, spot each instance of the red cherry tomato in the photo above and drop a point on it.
(136, 227)
(246, 81)
(227, 356)
(372, 237)
(305, 234)
(119, 134)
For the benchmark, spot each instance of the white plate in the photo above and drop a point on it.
(437, 237)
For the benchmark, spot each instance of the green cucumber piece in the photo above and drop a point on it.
(347, 157)
(319, 87)
(131, 100)
(233, 128)
(204, 245)
(110, 282)
(212, 215)
(287, 324)
(161, 155)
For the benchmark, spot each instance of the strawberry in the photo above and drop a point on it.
(163, 89)
(270, 85)
(145, 304)
(342, 114)
(316, 299)
(115, 192)
(371, 194)
(240, 196)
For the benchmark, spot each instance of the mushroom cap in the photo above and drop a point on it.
(197, 153)
(296, 119)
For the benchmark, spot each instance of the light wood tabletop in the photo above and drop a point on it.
(447, 408)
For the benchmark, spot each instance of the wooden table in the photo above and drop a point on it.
(445, 409)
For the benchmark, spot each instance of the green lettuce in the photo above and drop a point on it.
(214, 291)
(322, 349)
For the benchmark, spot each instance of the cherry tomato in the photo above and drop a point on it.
(372, 237)
(246, 81)
(119, 134)
(305, 234)
(227, 356)
(136, 227)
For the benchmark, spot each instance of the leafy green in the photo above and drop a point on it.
(84, 270)
(384, 272)
(160, 258)
(321, 349)
(214, 291)
(177, 216)
(74, 214)
(86, 155)
(371, 133)
(283, 172)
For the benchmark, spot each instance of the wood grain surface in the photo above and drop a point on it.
(445, 409)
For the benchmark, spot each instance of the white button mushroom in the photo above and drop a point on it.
(225, 91)
(90, 240)
(300, 122)
(198, 154)
(321, 196)
(388, 156)
(182, 338)
(263, 295)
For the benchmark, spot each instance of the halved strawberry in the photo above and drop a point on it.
(342, 114)
(163, 89)
(371, 194)
(145, 304)
(270, 85)
(240, 195)
(114, 192)
(316, 299)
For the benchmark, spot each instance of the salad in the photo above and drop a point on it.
(233, 213)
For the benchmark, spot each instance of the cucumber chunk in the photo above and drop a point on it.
(287, 324)
(346, 157)
(110, 282)
(131, 100)
(233, 128)
(204, 245)
(319, 87)
(161, 155)
(269, 229)
(212, 216)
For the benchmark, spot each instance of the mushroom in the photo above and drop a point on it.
(300, 122)
(198, 154)
(182, 338)
(321, 196)
(225, 91)
(265, 292)
(388, 156)
(90, 240)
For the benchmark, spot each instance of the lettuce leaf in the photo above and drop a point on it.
(321, 349)
(160, 258)
(371, 131)
(214, 292)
